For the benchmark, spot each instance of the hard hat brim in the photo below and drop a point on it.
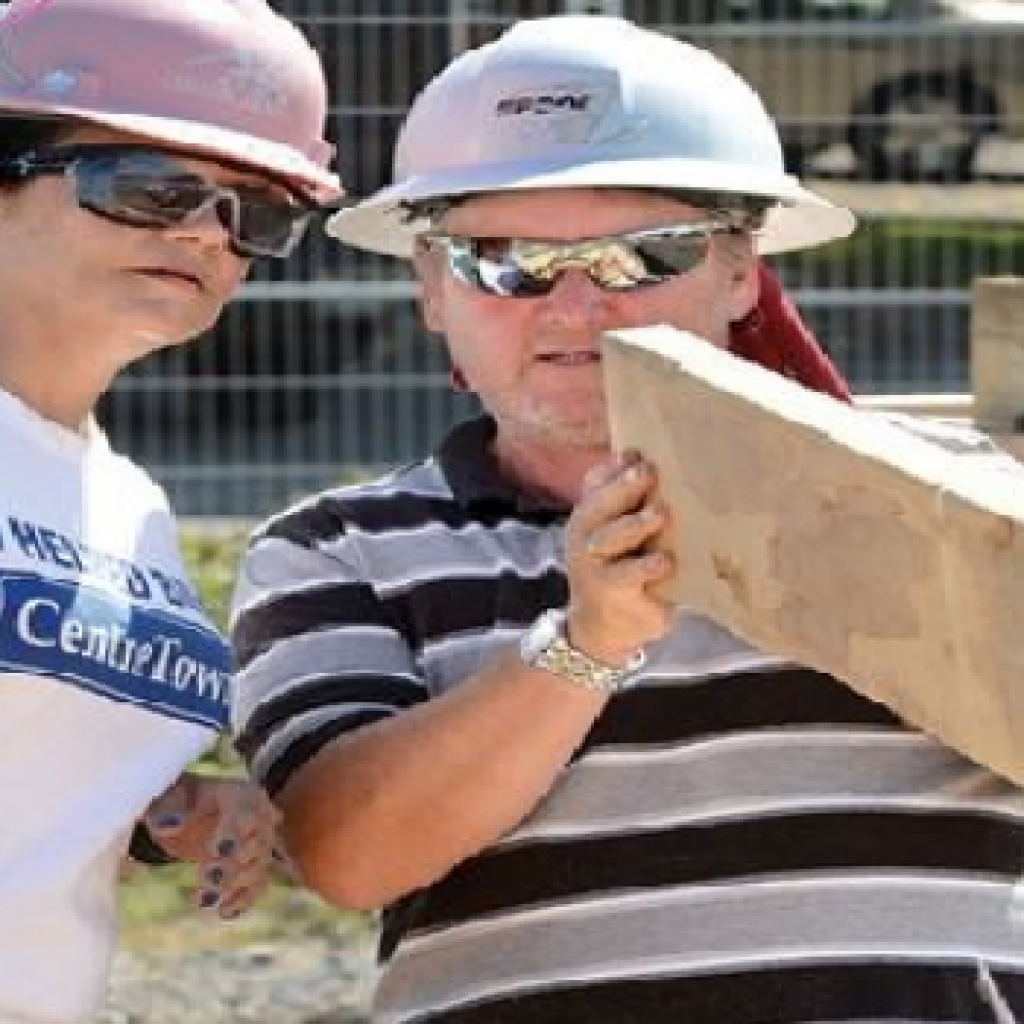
(800, 219)
(274, 158)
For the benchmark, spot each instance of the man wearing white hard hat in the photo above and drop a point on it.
(572, 802)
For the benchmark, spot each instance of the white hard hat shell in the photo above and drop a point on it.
(583, 102)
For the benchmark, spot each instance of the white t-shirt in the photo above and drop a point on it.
(112, 680)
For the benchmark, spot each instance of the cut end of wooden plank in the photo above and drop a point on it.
(828, 535)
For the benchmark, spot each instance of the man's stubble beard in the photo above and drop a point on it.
(545, 422)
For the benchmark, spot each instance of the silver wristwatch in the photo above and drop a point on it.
(545, 645)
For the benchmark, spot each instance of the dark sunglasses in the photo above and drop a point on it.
(145, 187)
(522, 268)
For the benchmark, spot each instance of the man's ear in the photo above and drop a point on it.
(429, 271)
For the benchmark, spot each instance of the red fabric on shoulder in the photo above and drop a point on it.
(774, 336)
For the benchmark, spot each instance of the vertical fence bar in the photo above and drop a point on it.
(997, 356)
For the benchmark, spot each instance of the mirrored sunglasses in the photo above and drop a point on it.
(145, 187)
(521, 268)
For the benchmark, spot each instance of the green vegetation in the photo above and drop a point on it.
(909, 253)
(158, 912)
(212, 557)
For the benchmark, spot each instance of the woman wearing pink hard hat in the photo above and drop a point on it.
(149, 151)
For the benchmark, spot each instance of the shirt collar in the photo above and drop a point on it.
(466, 457)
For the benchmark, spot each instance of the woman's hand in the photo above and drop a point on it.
(227, 828)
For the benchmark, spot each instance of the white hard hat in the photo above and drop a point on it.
(578, 101)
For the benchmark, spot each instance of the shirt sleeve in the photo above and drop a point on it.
(318, 652)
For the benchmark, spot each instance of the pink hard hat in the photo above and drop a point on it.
(223, 78)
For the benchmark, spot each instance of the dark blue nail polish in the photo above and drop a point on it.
(226, 847)
(168, 821)
(215, 875)
(209, 899)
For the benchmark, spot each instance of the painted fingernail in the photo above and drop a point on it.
(215, 875)
(168, 821)
(209, 899)
(226, 847)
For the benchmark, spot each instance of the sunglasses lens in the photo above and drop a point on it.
(526, 269)
(620, 267)
(151, 190)
(671, 255)
(138, 189)
(267, 227)
(494, 275)
(510, 280)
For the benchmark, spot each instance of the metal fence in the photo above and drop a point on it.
(911, 111)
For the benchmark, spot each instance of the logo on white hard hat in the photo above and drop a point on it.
(568, 113)
(543, 103)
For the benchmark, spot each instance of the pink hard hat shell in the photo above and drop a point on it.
(224, 78)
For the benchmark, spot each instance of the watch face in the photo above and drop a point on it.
(540, 636)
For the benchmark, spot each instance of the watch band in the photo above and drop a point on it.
(545, 645)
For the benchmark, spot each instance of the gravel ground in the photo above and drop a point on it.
(323, 977)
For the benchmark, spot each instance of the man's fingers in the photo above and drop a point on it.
(623, 494)
(600, 475)
(626, 534)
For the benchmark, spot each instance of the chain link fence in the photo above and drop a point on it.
(911, 111)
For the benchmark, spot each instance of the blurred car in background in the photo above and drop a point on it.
(914, 86)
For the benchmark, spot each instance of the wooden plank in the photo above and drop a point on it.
(827, 535)
(949, 408)
(997, 354)
(958, 407)
(1013, 443)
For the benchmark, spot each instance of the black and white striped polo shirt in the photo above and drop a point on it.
(738, 840)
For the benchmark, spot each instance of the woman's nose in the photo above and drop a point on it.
(209, 225)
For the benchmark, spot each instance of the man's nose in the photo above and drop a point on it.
(576, 299)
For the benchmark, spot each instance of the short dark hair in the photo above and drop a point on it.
(749, 211)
